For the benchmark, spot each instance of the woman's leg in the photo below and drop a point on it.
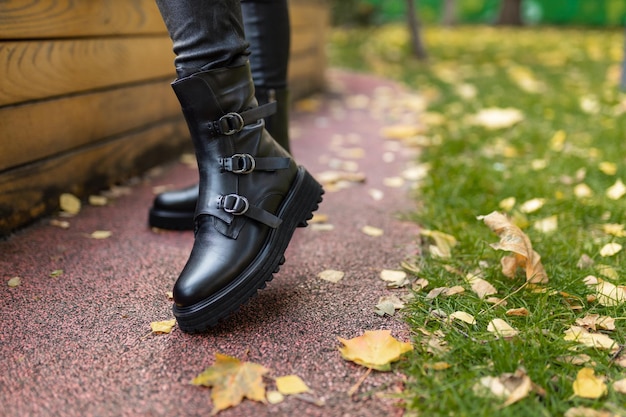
(266, 26)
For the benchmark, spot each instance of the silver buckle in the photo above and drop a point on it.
(229, 121)
(233, 204)
(247, 167)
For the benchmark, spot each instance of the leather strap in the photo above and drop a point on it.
(243, 163)
(239, 206)
(234, 122)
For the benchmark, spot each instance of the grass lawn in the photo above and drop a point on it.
(554, 162)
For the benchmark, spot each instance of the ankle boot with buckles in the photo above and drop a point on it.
(251, 197)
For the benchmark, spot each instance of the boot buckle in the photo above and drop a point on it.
(230, 123)
(239, 163)
(234, 204)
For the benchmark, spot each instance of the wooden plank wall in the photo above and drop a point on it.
(85, 96)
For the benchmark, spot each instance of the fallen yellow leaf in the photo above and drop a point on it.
(291, 384)
(375, 349)
(587, 385)
(69, 203)
(607, 293)
(14, 282)
(480, 286)
(100, 234)
(443, 242)
(331, 275)
(610, 249)
(616, 191)
(372, 231)
(232, 381)
(463, 316)
(163, 326)
(501, 328)
(594, 340)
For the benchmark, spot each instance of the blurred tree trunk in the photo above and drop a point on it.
(449, 12)
(510, 13)
(417, 45)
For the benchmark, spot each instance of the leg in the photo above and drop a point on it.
(252, 195)
(266, 27)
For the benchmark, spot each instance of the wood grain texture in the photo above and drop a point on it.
(34, 70)
(44, 19)
(33, 190)
(42, 129)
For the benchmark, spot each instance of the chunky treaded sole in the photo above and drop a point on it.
(297, 208)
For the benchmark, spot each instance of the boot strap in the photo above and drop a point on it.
(238, 205)
(243, 163)
(234, 122)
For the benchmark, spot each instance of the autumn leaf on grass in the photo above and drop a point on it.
(232, 381)
(512, 239)
(587, 385)
(480, 286)
(607, 294)
(510, 386)
(443, 243)
(375, 349)
(502, 328)
(497, 118)
(594, 340)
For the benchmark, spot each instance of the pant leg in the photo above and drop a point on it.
(266, 24)
(206, 34)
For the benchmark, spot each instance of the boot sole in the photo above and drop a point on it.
(297, 208)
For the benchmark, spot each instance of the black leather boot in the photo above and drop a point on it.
(252, 196)
(174, 210)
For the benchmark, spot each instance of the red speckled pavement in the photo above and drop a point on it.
(78, 343)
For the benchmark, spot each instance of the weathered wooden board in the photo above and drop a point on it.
(33, 190)
(39, 19)
(38, 130)
(35, 70)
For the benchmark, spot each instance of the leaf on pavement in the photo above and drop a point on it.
(374, 349)
(594, 340)
(14, 282)
(388, 304)
(514, 240)
(395, 278)
(331, 275)
(232, 381)
(100, 234)
(587, 385)
(69, 203)
(163, 326)
(291, 384)
(372, 231)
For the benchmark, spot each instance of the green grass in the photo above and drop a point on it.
(473, 169)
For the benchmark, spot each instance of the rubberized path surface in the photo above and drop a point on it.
(77, 342)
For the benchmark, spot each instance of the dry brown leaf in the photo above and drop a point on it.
(514, 240)
(596, 321)
(445, 292)
(594, 340)
(510, 386)
(481, 287)
(331, 275)
(388, 304)
(232, 381)
(502, 328)
(518, 312)
(607, 294)
(395, 278)
(587, 385)
(375, 349)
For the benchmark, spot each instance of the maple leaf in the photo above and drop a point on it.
(514, 240)
(374, 349)
(232, 381)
